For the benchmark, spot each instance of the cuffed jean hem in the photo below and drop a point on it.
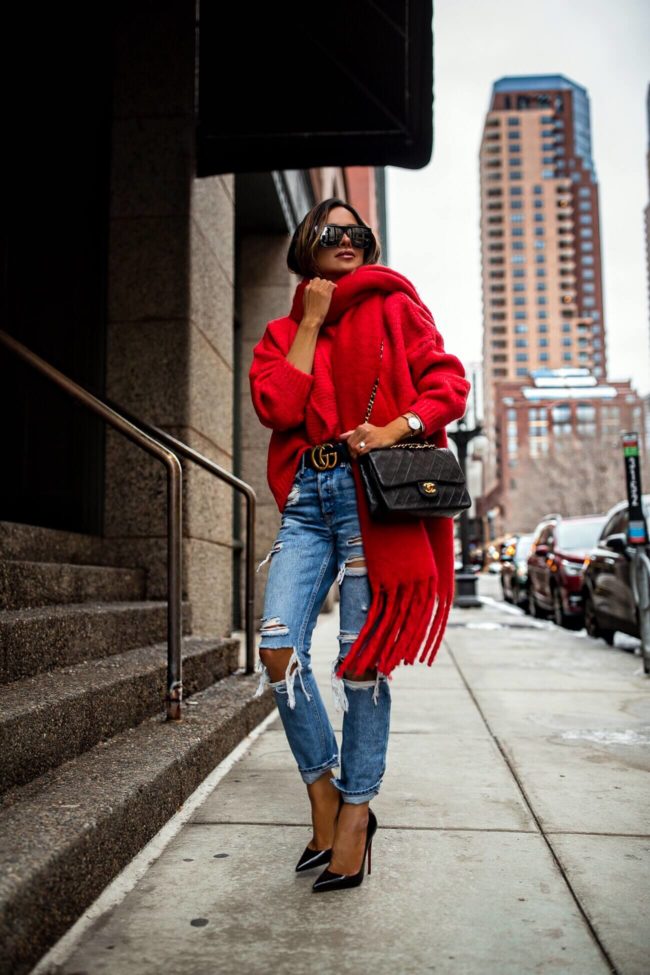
(355, 797)
(312, 775)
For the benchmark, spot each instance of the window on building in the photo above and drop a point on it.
(585, 218)
(520, 314)
(538, 203)
(519, 272)
(547, 159)
(517, 231)
(518, 258)
(548, 174)
(539, 231)
(567, 356)
(586, 232)
(542, 328)
(542, 342)
(541, 299)
(543, 357)
(584, 191)
(515, 174)
(521, 328)
(519, 371)
(589, 302)
(586, 245)
(567, 341)
(539, 244)
(517, 217)
(586, 258)
(585, 411)
(539, 259)
(519, 286)
(538, 216)
(521, 343)
(521, 357)
(542, 314)
(513, 120)
(561, 414)
(516, 191)
(518, 245)
(538, 189)
(520, 300)
(541, 286)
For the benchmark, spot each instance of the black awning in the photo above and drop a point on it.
(295, 85)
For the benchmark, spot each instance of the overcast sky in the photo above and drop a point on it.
(433, 213)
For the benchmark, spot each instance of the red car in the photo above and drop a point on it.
(555, 567)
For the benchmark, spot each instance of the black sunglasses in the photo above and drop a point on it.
(332, 235)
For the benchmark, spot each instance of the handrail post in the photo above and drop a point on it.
(174, 591)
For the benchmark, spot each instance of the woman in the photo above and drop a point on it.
(311, 379)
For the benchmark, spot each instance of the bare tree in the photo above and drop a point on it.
(580, 475)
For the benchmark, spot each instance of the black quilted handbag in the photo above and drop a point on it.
(412, 480)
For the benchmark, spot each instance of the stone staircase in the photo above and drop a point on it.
(89, 768)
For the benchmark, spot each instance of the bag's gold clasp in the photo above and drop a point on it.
(323, 461)
(429, 487)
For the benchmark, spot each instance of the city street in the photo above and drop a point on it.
(514, 829)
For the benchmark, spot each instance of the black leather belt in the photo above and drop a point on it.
(326, 455)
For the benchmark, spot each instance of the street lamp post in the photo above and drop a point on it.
(465, 578)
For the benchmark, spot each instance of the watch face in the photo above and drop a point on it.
(413, 423)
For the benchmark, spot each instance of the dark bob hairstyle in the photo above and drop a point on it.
(301, 257)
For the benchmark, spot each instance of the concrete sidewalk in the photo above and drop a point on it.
(514, 829)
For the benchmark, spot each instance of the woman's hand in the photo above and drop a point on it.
(316, 300)
(371, 436)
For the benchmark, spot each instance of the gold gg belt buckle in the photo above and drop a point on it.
(321, 460)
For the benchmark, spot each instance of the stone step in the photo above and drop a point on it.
(34, 543)
(67, 834)
(52, 717)
(43, 637)
(24, 584)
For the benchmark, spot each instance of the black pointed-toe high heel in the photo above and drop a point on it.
(315, 858)
(335, 881)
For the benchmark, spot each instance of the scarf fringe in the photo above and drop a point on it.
(399, 627)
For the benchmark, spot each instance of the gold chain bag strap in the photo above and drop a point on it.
(411, 480)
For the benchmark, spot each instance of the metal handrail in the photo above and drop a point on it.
(174, 509)
(154, 434)
(251, 508)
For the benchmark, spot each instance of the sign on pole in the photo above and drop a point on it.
(637, 530)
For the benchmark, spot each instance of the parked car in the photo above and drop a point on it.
(555, 566)
(514, 570)
(606, 589)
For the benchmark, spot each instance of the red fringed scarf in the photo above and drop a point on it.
(410, 566)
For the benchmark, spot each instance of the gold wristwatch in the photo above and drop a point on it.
(414, 422)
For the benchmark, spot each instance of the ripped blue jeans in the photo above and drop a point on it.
(319, 537)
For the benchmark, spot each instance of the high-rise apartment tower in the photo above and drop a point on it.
(540, 238)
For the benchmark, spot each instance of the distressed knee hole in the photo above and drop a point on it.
(276, 661)
(368, 676)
